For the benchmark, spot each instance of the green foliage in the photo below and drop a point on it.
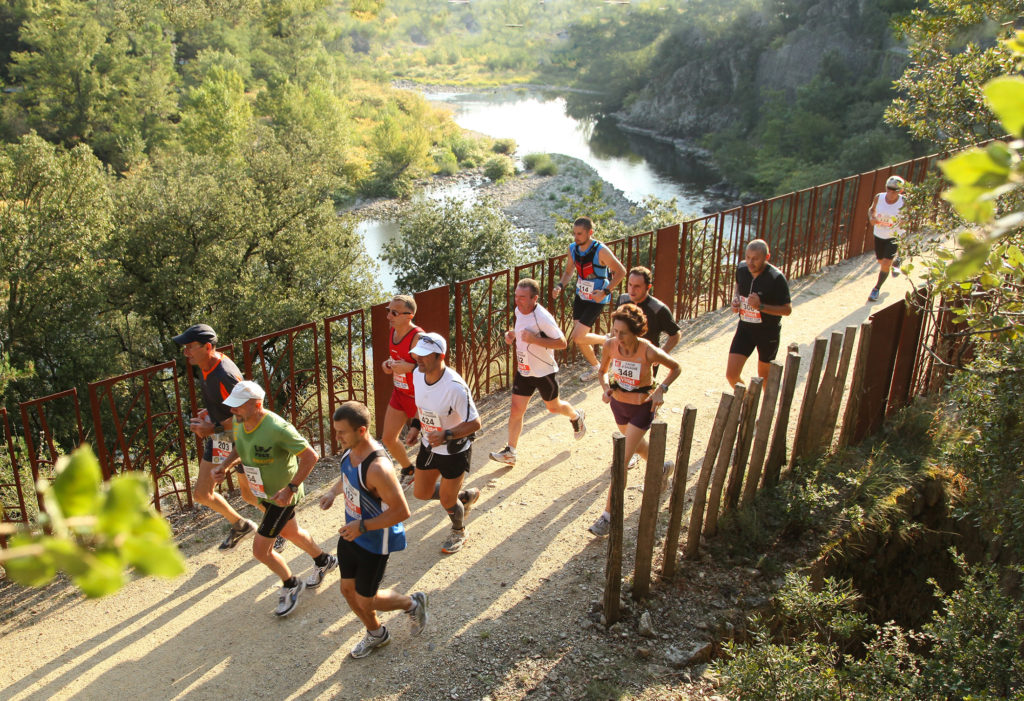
(498, 168)
(504, 146)
(96, 531)
(217, 116)
(540, 163)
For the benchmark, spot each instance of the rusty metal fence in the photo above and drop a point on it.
(137, 421)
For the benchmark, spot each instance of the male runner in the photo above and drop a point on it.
(884, 216)
(218, 376)
(374, 510)
(400, 364)
(447, 421)
(659, 318)
(276, 460)
(598, 272)
(761, 298)
(535, 338)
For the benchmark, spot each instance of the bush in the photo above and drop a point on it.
(505, 146)
(497, 168)
(446, 162)
(540, 163)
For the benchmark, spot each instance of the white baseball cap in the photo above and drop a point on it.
(430, 343)
(243, 392)
(895, 182)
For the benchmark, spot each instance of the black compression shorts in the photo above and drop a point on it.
(585, 311)
(358, 563)
(526, 386)
(885, 249)
(751, 336)
(451, 466)
(275, 518)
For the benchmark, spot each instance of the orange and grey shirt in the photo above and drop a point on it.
(216, 385)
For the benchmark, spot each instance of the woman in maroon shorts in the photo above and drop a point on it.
(402, 407)
(627, 379)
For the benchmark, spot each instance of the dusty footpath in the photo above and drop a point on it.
(511, 614)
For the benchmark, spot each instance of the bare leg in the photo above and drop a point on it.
(635, 443)
(366, 608)
(734, 368)
(205, 494)
(586, 341)
(394, 421)
(558, 406)
(515, 418)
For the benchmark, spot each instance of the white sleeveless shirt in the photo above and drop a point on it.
(888, 214)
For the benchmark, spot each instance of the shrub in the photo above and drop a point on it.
(446, 162)
(505, 146)
(497, 168)
(540, 163)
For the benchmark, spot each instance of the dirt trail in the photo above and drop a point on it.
(507, 610)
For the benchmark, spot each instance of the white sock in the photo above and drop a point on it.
(606, 516)
(379, 633)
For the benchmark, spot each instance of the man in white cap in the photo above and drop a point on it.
(446, 421)
(276, 459)
(884, 216)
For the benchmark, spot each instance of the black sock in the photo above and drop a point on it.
(456, 514)
(321, 559)
(882, 274)
(290, 582)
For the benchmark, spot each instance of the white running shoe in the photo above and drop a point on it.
(590, 374)
(318, 573)
(506, 455)
(579, 425)
(418, 616)
(288, 599)
(601, 527)
(365, 646)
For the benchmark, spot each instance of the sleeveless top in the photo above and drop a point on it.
(590, 274)
(887, 213)
(400, 351)
(630, 373)
(360, 503)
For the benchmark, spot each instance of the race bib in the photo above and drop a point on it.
(222, 446)
(748, 314)
(522, 362)
(400, 381)
(626, 373)
(584, 288)
(352, 507)
(430, 422)
(255, 478)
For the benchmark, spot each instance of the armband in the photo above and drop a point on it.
(415, 423)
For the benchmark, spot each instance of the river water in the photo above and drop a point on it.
(637, 165)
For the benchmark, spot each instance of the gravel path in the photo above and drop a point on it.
(511, 614)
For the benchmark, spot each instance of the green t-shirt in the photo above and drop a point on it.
(268, 455)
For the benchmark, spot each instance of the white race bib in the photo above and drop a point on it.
(222, 446)
(255, 478)
(584, 288)
(430, 422)
(399, 381)
(626, 373)
(352, 507)
(522, 362)
(749, 314)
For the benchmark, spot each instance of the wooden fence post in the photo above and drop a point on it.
(649, 509)
(678, 500)
(764, 427)
(748, 414)
(613, 569)
(700, 494)
(829, 427)
(822, 397)
(777, 452)
(856, 385)
(807, 406)
(722, 466)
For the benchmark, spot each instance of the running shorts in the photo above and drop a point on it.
(275, 518)
(585, 311)
(404, 403)
(452, 467)
(358, 563)
(885, 249)
(751, 336)
(639, 415)
(526, 386)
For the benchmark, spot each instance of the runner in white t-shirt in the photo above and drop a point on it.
(446, 421)
(535, 339)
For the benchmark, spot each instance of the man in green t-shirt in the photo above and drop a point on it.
(276, 459)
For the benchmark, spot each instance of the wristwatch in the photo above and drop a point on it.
(664, 388)
(448, 435)
(362, 526)
(293, 487)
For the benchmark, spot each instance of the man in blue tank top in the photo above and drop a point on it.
(374, 510)
(598, 272)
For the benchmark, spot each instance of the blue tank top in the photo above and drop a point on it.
(590, 274)
(361, 504)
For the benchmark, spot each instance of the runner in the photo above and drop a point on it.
(536, 337)
(400, 365)
(628, 382)
(218, 375)
(447, 421)
(761, 310)
(276, 460)
(659, 317)
(598, 272)
(884, 215)
(374, 510)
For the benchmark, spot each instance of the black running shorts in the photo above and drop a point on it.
(275, 518)
(358, 563)
(885, 249)
(751, 336)
(585, 311)
(526, 386)
(451, 466)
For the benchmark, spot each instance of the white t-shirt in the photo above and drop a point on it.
(533, 360)
(888, 215)
(442, 405)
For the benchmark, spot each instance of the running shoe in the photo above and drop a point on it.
(454, 542)
(601, 527)
(589, 374)
(279, 544)
(407, 477)
(666, 472)
(365, 646)
(507, 455)
(633, 462)
(238, 531)
(873, 297)
(579, 426)
(288, 599)
(468, 497)
(895, 270)
(418, 616)
(318, 573)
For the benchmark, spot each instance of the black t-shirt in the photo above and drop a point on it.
(659, 318)
(770, 286)
(217, 385)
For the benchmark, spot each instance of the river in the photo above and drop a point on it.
(637, 165)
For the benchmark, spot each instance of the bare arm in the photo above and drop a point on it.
(554, 343)
(657, 355)
(672, 341)
(618, 272)
(307, 461)
(564, 280)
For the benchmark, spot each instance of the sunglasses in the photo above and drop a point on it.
(428, 339)
(392, 312)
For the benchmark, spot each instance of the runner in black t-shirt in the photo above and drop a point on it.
(659, 317)
(761, 298)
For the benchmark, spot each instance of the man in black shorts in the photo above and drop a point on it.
(374, 510)
(761, 298)
(446, 421)
(535, 339)
(659, 317)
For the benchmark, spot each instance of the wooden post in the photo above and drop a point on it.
(748, 413)
(777, 452)
(823, 397)
(722, 466)
(700, 493)
(829, 428)
(678, 500)
(856, 385)
(764, 427)
(807, 406)
(613, 569)
(649, 509)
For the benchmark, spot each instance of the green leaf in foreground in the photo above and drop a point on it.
(1005, 95)
(151, 555)
(77, 484)
(31, 571)
(102, 575)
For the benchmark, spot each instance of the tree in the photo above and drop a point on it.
(217, 115)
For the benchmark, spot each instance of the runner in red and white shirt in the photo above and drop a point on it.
(403, 336)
